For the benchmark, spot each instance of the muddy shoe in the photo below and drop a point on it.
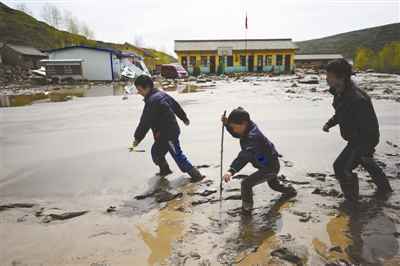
(290, 192)
(164, 171)
(195, 175)
(350, 188)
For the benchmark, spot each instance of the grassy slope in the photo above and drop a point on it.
(20, 28)
(347, 43)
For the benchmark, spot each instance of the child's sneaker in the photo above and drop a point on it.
(195, 175)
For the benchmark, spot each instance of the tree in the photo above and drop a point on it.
(389, 58)
(22, 7)
(138, 41)
(52, 15)
(86, 31)
(71, 24)
(365, 59)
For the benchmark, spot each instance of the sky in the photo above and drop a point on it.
(157, 23)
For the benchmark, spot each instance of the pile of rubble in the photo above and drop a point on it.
(13, 74)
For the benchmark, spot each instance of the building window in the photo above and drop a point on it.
(192, 60)
(203, 61)
(243, 60)
(184, 61)
(279, 60)
(259, 60)
(268, 60)
(229, 61)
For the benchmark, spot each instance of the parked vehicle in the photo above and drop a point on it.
(173, 71)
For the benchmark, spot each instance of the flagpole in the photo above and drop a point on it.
(245, 43)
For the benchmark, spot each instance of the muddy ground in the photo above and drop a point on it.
(68, 183)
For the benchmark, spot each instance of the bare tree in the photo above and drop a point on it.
(22, 7)
(71, 24)
(138, 40)
(52, 15)
(86, 31)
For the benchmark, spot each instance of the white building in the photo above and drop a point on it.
(97, 63)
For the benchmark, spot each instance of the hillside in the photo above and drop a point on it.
(347, 43)
(20, 28)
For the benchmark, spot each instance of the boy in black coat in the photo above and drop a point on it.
(159, 116)
(257, 150)
(355, 115)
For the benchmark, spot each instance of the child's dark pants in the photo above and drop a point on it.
(160, 149)
(268, 174)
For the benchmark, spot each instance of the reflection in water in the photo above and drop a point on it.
(170, 222)
(65, 93)
(365, 235)
(259, 231)
(170, 226)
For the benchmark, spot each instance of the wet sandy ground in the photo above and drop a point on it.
(72, 156)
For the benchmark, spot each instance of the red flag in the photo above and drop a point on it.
(246, 22)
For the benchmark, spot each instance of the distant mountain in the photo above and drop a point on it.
(347, 43)
(18, 27)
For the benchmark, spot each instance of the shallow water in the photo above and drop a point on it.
(74, 155)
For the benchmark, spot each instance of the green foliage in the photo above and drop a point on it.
(196, 71)
(386, 60)
(347, 43)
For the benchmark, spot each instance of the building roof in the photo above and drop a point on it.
(235, 44)
(108, 50)
(317, 56)
(26, 50)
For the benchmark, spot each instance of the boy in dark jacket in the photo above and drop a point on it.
(355, 115)
(257, 150)
(159, 116)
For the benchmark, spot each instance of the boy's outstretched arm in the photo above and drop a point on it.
(145, 123)
(241, 160)
(178, 110)
(331, 123)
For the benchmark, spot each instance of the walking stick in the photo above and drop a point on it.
(222, 158)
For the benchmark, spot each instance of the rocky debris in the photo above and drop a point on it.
(285, 254)
(232, 189)
(309, 80)
(336, 249)
(304, 216)
(203, 201)
(197, 229)
(203, 193)
(147, 194)
(203, 166)
(330, 193)
(62, 216)
(111, 209)
(234, 197)
(339, 262)
(164, 196)
(318, 176)
(16, 205)
(288, 163)
(392, 144)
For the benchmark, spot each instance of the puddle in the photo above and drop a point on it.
(62, 94)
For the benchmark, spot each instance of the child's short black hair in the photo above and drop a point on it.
(144, 81)
(340, 67)
(238, 116)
